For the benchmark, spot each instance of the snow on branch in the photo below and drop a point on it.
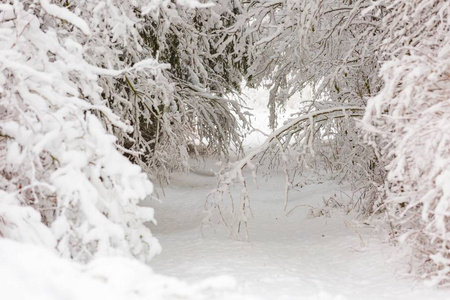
(304, 125)
(66, 15)
(299, 123)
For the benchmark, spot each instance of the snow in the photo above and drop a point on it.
(65, 190)
(32, 272)
(63, 183)
(194, 4)
(306, 252)
(298, 256)
(256, 100)
(66, 15)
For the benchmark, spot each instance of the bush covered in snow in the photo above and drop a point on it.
(409, 122)
(63, 183)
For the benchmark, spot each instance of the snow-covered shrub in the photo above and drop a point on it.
(63, 183)
(409, 122)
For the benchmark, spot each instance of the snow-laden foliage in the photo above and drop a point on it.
(63, 183)
(326, 44)
(73, 73)
(202, 74)
(331, 46)
(409, 121)
(182, 105)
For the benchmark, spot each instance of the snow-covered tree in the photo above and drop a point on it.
(182, 106)
(408, 121)
(63, 183)
(330, 45)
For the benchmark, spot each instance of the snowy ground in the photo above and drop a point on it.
(286, 257)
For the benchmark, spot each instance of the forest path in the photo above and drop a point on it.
(286, 257)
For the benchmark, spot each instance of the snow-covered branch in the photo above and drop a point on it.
(306, 125)
(408, 121)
